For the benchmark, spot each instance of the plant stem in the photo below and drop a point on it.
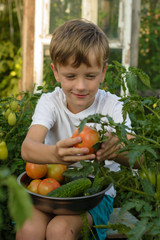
(153, 111)
(150, 140)
(131, 189)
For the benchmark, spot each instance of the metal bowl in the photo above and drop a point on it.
(69, 206)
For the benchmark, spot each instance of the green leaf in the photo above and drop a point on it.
(144, 78)
(131, 80)
(86, 169)
(95, 118)
(97, 146)
(141, 227)
(137, 151)
(147, 187)
(137, 204)
(19, 202)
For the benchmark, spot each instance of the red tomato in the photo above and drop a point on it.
(55, 171)
(47, 185)
(35, 171)
(33, 186)
(89, 137)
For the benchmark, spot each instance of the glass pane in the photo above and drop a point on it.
(115, 55)
(108, 11)
(63, 10)
(47, 71)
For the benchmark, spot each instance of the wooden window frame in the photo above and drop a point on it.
(36, 35)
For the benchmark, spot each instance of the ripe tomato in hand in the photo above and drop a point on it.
(55, 171)
(47, 185)
(36, 170)
(33, 186)
(89, 137)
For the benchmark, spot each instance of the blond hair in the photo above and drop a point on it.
(75, 38)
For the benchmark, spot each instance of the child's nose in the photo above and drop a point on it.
(81, 84)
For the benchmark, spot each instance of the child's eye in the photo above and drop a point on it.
(70, 76)
(91, 76)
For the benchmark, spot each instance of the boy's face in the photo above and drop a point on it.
(81, 84)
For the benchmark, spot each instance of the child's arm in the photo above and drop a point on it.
(109, 150)
(34, 150)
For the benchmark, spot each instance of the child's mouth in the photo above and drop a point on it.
(80, 95)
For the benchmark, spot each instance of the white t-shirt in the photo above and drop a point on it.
(51, 111)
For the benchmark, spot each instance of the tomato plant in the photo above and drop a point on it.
(89, 138)
(11, 162)
(55, 171)
(36, 170)
(33, 186)
(47, 185)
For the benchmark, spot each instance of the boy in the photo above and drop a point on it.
(79, 51)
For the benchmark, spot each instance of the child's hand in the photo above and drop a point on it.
(66, 153)
(109, 148)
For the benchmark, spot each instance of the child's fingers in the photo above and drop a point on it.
(77, 158)
(68, 142)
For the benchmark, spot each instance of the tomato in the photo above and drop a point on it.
(89, 137)
(152, 177)
(14, 105)
(36, 170)
(47, 185)
(33, 186)
(55, 171)
(8, 111)
(3, 151)
(13, 73)
(12, 119)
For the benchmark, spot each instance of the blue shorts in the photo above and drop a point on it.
(101, 215)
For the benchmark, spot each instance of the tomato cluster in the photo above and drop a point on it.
(45, 177)
(10, 112)
(10, 116)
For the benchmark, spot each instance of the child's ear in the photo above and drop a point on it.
(55, 72)
(104, 72)
(105, 68)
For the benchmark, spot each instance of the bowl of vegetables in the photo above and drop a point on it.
(74, 196)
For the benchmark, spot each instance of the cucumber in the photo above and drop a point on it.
(71, 189)
(98, 184)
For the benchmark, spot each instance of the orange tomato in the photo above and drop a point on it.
(55, 171)
(47, 185)
(33, 186)
(35, 171)
(89, 137)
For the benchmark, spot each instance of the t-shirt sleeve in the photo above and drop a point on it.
(44, 113)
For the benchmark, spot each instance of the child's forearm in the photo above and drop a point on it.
(124, 160)
(37, 152)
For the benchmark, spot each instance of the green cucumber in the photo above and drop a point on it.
(97, 186)
(99, 183)
(71, 189)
